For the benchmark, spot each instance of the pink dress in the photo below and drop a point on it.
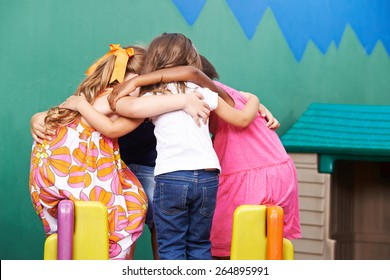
(256, 169)
(82, 164)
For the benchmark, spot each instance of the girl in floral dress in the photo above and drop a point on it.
(80, 163)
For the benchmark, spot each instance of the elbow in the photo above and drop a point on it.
(194, 74)
(112, 134)
(194, 71)
(115, 134)
(126, 108)
(246, 122)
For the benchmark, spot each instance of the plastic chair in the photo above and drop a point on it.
(258, 234)
(82, 232)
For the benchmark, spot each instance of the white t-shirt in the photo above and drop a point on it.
(181, 144)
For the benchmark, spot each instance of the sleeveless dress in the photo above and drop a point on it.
(82, 164)
(256, 169)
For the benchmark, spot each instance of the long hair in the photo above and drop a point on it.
(169, 50)
(92, 86)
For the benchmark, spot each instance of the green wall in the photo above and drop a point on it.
(47, 45)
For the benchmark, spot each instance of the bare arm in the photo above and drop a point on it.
(154, 105)
(240, 118)
(173, 74)
(272, 122)
(108, 127)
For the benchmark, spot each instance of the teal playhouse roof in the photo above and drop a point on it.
(339, 131)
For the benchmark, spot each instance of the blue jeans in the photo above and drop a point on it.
(184, 203)
(145, 175)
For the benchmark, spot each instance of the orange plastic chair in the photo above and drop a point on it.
(82, 236)
(258, 234)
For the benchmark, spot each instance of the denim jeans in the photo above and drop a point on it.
(184, 203)
(145, 175)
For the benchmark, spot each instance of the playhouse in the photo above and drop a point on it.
(342, 156)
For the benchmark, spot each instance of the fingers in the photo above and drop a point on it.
(199, 95)
(205, 113)
(273, 124)
(262, 111)
(50, 133)
(120, 91)
(113, 103)
(202, 115)
(197, 122)
(65, 103)
(40, 131)
(39, 136)
(111, 100)
(37, 139)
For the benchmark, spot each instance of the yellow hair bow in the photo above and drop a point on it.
(122, 56)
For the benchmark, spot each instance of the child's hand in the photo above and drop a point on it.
(73, 102)
(196, 107)
(272, 122)
(121, 90)
(38, 129)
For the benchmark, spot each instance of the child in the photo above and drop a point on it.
(187, 168)
(255, 170)
(80, 163)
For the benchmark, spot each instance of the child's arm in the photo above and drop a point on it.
(38, 129)
(272, 122)
(99, 121)
(174, 74)
(240, 118)
(154, 105)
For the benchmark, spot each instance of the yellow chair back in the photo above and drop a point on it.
(251, 226)
(90, 235)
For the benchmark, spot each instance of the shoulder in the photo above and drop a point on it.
(228, 89)
(194, 87)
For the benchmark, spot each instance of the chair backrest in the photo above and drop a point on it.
(258, 234)
(82, 232)
(275, 219)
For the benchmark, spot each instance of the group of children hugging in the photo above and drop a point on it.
(153, 135)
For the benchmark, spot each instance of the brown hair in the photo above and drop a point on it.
(94, 85)
(209, 69)
(169, 50)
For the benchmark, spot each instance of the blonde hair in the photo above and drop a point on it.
(92, 86)
(169, 50)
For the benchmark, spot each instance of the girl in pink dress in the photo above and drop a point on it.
(256, 169)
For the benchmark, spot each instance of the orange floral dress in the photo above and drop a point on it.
(82, 164)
